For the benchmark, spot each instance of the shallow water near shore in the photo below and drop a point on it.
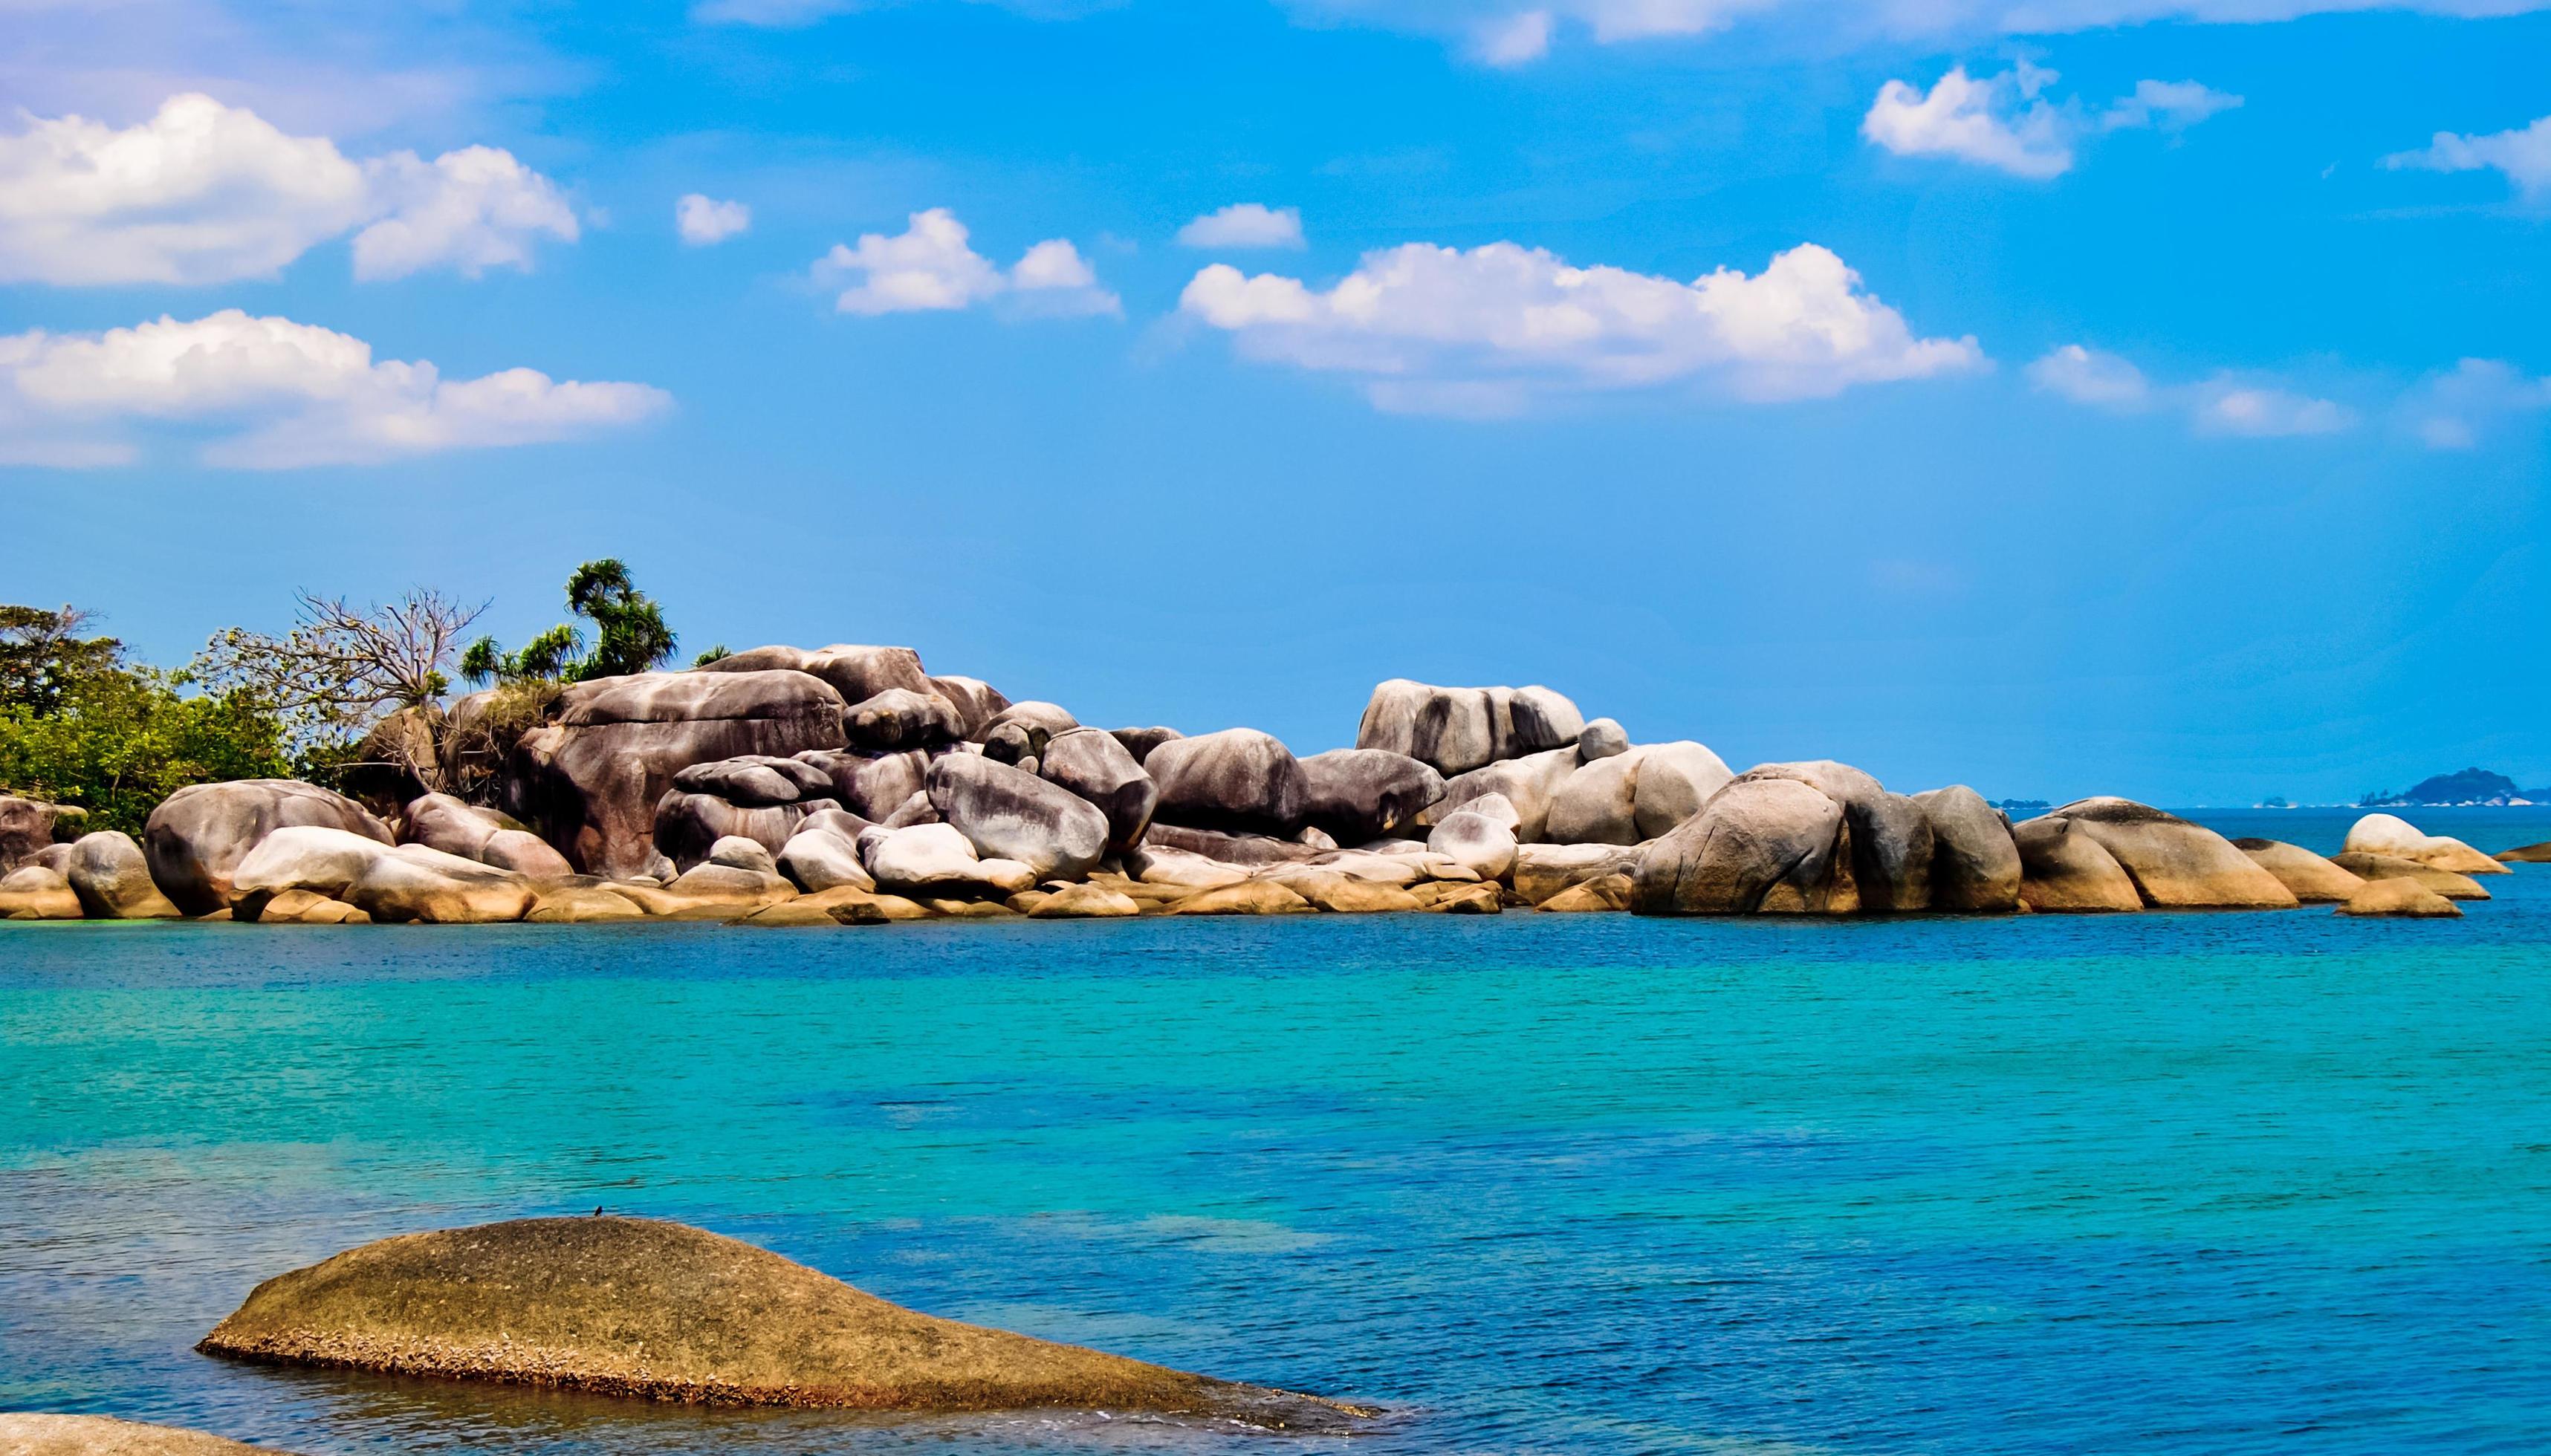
(2168, 1183)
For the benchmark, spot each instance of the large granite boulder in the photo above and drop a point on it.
(2312, 879)
(632, 1306)
(112, 878)
(1242, 849)
(2064, 870)
(32, 892)
(977, 702)
(869, 785)
(594, 775)
(1674, 780)
(1140, 741)
(2175, 864)
(1974, 865)
(856, 673)
(688, 825)
(1529, 783)
(2448, 883)
(824, 854)
(443, 822)
(1019, 731)
(1890, 836)
(1761, 844)
(1008, 814)
(754, 780)
(900, 719)
(1237, 779)
(1095, 766)
(1478, 842)
(1361, 793)
(2398, 896)
(410, 882)
(2387, 833)
(1599, 803)
(26, 825)
(931, 861)
(199, 835)
(1541, 871)
(1454, 731)
(27, 1434)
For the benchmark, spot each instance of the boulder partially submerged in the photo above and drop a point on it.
(2388, 833)
(31, 1434)
(639, 1307)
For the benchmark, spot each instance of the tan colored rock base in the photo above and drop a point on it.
(98, 1436)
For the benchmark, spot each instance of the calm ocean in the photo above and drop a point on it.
(2160, 1183)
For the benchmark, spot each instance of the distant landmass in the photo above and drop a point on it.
(2477, 786)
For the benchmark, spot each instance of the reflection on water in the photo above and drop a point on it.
(2169, 1183)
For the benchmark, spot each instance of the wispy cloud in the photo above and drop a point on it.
(1245, 225)
(2523, 154)
(2005, 122)
(2225, 403)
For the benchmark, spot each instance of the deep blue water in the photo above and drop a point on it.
(2167, 1183)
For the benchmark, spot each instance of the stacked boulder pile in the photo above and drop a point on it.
(846, 785)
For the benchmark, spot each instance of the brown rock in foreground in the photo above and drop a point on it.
(637, 1306)
(98, 1436)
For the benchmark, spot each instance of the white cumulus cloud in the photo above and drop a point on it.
(207, 193)
(932, 265)
(1245, 225)
(702, 220)
(2523, 154)
(1488, 329)
(275, 394)
(2008, 123)
(2223, 404)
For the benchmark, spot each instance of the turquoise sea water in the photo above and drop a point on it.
(2160, 1183)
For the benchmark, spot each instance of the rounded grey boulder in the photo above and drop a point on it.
(1237, 779)
(901, 718)
(855, 672)
(1974, 865)
(1602, 738)
(198, 835)
(1890, 836)
(1007, 814)
(1363, 794)
(869, 785)
(1093, 765)
(1140, 741)
(977, 702)
(1767, 844)
(112, 877)
(2064, 871)
(2175, 864)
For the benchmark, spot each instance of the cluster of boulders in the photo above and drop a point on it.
(846, 785)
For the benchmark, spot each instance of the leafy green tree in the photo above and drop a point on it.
(629, 635)
(80, 725)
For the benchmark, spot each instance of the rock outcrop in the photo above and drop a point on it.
(1008, 814)
(2447, 883)
(900, 719)
(1541, 871)
(855, 673)
(410, 882)
(474, 832)
(112, 878)
(198, 835)
(1530, 783)
(2312, 879)
(977, 702)
(1357, 795)
(1093, 765)
(2526, 855)
(2398, 896)
(26, 825)
(937, 861)
(1761, 844)
(632, 1306)
(824, 854)
(2385, 833)
(595, 774)
(1237, 779)
(1974, 865)
(32, 892)
(1454, 731)
(2175, 864)
(1478, 843)
(31, 1434)
(2067, 871)
(869, 785)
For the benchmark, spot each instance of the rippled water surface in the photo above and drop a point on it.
(2188, 1183)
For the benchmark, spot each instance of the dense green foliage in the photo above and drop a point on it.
(629, 635)
(80, 725)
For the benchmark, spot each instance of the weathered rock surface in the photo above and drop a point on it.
(595, 775)
(1529, 783)
(1674, 780)
(2447, 883)
(1021, 731)
(1249, 896)
(1342, 894)
(525, 853)
(2064, 870)
(869, 785)
(824, 854)
(2385, 833)
(2175, 864)
(581, 904)
(1545, 870)
(930, 861)
(1454, 731)
(1237, 779)
(1890, 836)
(442, 822)
(755, 780)
(112, 878)
(26, 825)
(855, 673)
(688, 824)
(2398, 896)
(199, 835)
(411, 882)
(1974, 865)
(1478, 843)
(29, 1434)
(1361, 793)
(736, 852)
(1776, 844)
(300, 908)
(2526, 855)
(977, 702)
(1606, 893)
(1084, 902)
(630, 1307)
(900, 719)
(2308, 877)
(1008, 814)
(32, 892)
(1093, 766)
(1599, 803)
(1163, 864)
(1602, 738)
(1140, 741)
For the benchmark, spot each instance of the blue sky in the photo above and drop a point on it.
(2091, 431)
